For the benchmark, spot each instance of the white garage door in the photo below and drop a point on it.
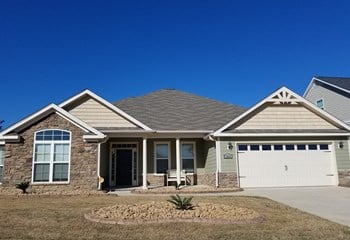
(284, 164)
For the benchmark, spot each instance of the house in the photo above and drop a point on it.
(331, 94)
(283, 140)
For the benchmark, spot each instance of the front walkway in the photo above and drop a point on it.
(190, 189)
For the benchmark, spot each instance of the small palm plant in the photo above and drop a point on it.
(181, 203)
(23, 186)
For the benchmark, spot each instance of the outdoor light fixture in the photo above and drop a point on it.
(229, 146)
(340, 145)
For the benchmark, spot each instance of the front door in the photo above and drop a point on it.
(123, 165)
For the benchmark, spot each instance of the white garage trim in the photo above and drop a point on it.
(286, 163)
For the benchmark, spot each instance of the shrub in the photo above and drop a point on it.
(181, 203)
(23, 186)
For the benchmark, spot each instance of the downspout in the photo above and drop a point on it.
(218, 161)
(99, 184)
(100, 179)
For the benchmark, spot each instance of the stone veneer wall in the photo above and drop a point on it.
(83, 167)
(344, 178)
(155, 180)
(206, 179)
(160, 180)
(226, 180)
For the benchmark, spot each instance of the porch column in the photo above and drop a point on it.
(218, 161)
(144, 163)
(99, 184)
(178, 162)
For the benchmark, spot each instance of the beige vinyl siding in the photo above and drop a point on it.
(334, 103)
(228, 165)
(285, 117)
(97, 115)
(342, 155)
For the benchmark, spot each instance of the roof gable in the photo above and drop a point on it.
(11, 132)
(283, 111)
(100, 113)
(336, 83)
(170, 109)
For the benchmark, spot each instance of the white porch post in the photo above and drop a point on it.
(99, 185)
(178, 162)
(144, 163)
(218, 161)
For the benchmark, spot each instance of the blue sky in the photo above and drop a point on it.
(234, 51)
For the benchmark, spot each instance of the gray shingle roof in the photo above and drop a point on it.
(341, 82)
(177, 110)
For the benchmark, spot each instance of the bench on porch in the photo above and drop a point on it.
(171, 176)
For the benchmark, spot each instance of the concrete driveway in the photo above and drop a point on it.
(332, 203)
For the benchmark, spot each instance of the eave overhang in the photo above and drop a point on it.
(280, 134)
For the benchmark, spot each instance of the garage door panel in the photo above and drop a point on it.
(299, 167)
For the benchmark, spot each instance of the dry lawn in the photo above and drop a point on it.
(62, 217)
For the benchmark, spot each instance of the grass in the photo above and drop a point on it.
(61, 217)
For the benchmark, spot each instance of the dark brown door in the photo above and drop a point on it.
(124, 167)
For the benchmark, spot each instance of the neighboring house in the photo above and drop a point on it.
(331, 94)
(283, 140)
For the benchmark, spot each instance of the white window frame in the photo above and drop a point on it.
(155, 156)
(194, 155)
(321, 100)
(52, 152)
(2, 159)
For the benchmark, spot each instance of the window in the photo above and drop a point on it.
(266, 147)
(162, 157)
(51, 156)
(242, 147)
(1, 163)
(320, 103)
(323, 146)
(301, 147)
(188, 156)
(312, 146)
(289, 147)
(278, 147)
(254, 147)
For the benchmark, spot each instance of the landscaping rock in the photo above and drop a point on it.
(155, 212)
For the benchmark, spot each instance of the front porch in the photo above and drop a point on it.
(132, 162)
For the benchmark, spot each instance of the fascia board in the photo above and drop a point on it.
(324, 114)
(106, 103)
(9, 138)
(183, 131)
(332, 85)
(250, 110)
(300, 100)
(44, 111)
(311, 83)
(280, 134)
(28, 119)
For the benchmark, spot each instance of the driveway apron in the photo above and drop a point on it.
(332, 203)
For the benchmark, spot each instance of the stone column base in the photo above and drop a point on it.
(344, 178)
